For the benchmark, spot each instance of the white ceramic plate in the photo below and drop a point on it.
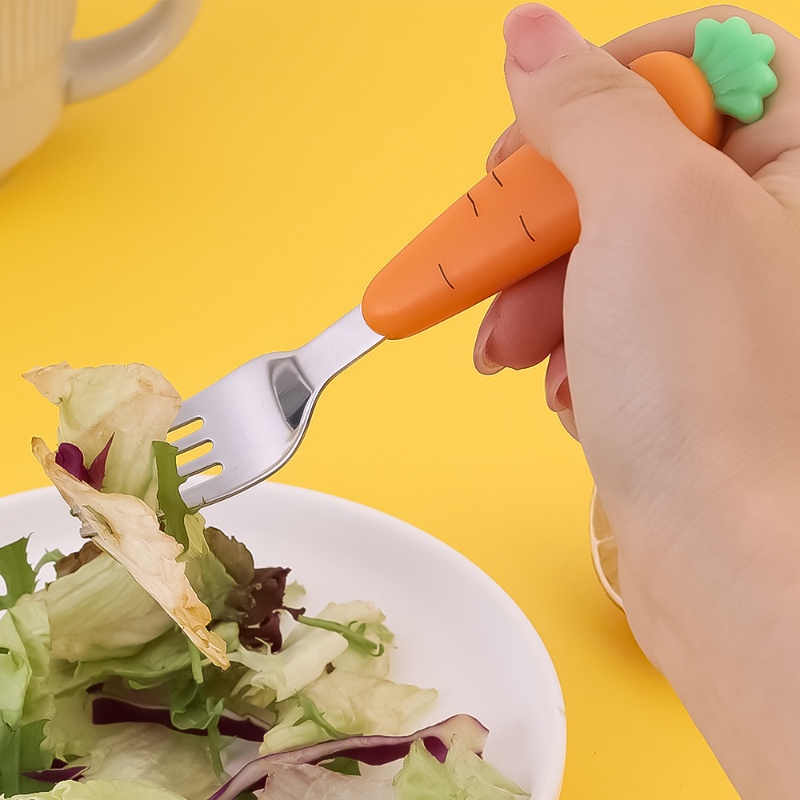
(456, 629)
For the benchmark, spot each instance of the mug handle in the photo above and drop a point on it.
(105, 62)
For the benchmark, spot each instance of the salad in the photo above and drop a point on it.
(163, 663)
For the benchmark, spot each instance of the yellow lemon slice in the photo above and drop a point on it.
(604, 549)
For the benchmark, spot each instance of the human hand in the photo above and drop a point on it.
(674, 353)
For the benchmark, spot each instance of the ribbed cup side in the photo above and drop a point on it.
(32, 34)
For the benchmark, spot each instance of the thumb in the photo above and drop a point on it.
(602, 125)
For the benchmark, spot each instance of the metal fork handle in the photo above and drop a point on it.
(333, 350)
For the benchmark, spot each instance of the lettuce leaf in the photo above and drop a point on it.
(349, 704)
(99, 790)
(70, 733)
(353, 695)
(25, 693)
(21, 751)
(463, 775)
(170, 502)
(18, 574)
(100, 612)
(133, 403)
(310, 782)
(152, 756)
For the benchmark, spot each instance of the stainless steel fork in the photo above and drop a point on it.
(256, 416)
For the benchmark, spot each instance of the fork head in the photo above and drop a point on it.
(251, 422)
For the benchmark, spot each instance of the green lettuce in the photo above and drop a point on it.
(98, 790)
(100, 612)
(350, 693)
(463, 776)
(21, 751)
(18, 574)
(25, 693)
(310, 782)
(152, 756)
(26, 699)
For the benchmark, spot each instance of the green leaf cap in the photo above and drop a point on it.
(735, 62)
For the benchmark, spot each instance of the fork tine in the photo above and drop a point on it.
(191, 440)
(195, 465)
(189, 411)
(199, 493)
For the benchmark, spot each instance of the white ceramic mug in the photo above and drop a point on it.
(42, 68)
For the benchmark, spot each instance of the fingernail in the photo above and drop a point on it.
(562, 401)
(536, 35)
(556, 382)
(493, 159)
(480, 357)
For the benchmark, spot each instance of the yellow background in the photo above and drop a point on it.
(236, 200)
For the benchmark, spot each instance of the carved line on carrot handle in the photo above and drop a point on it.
(441, 269)
(525, 228)
(494, 175)
(474, 207)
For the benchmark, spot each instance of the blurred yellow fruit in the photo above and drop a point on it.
(604, 549)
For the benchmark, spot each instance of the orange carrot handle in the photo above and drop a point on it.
(517, 219)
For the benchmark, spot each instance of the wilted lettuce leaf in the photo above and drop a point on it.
(68, 564)
(133, 403)
(127, 529)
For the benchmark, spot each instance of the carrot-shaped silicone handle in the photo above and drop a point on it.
(523, 214)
